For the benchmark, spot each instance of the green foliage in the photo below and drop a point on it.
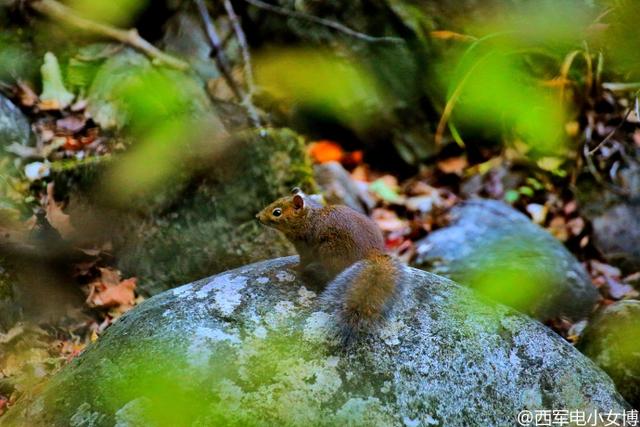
(53, 89)
(498, 84)
(342, 89)
(117, 12)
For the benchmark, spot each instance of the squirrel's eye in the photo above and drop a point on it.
(276, 212)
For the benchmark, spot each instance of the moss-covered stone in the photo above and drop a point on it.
(612, 340)
(213, 228)
(198, 224)
(253, 347)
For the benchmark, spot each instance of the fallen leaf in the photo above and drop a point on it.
(604, 269)
(576, 225)
(454, 165)
(72, 144)
(26, 96)
(538, 212)
(49, 105)
(325, 151)
(558, 228)
(388, 220)
(3, 404)
(572, 128)
(353, 158)
(570, 207)
(111, 292)
(422, 204)
(71, 124)
(386, 188)
(58, 219)
(636, 137)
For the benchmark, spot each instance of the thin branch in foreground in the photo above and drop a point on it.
(608, 137)
(322, 21)
(59, 12)
(217, 50)
(246, 58)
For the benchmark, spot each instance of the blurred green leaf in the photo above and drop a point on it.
(117, 12)
(320, 80)
(53, 89)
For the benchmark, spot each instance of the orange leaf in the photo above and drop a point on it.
(454, 165)
(451, 35)
(325, 151)
(120, 295)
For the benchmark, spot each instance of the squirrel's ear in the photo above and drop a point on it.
(296, 190)
(298, 201)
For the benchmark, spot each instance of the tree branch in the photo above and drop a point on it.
(217, 50)
(322, 21)
(59, 12)
(246, 58)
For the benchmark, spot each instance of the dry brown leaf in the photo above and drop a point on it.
(388, 220)
(49, 105)
(71, 124)
(121, 294)
(325, 151)
(27, 97)
(455, 165)
(58, 219)
(558, 227)
(109, 291)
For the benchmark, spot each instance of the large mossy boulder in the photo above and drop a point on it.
(203, 222)
(498, 251)
(253, 346)
(612, 340)
(211, 227)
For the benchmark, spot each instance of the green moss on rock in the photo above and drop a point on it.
(211, 227)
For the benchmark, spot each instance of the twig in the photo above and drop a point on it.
(246, 58)
(218, 51)
(322, 21)
(57, 11)
(596, 175)
(608, 137)
(620, 87)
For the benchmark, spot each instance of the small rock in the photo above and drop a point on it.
(616, 233)
(36, 170)
(340, 189)
(498, 251)
(14, 127)
(612, 340)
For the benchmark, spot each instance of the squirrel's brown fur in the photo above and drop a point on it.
(342, 250)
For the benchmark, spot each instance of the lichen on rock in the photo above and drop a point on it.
(236, 350)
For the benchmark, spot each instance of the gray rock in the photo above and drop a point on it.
(616, 234)
(14, 127)
(612, 340)
(498, 251)
(251, 347)
(339, 188)
(614, 212)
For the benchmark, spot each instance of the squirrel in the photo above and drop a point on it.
(342, 252)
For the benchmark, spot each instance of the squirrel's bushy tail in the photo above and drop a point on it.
(363, 295)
